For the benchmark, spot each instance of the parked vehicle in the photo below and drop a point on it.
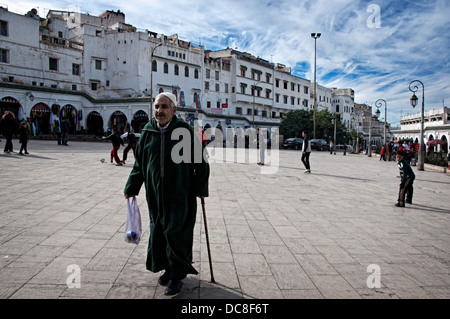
(319, 145)
(293, 143)
(340, 147)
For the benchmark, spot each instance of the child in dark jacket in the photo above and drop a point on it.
(24, 137)
(116, 142)
(406, 185)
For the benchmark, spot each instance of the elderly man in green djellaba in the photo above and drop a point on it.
(170, 163)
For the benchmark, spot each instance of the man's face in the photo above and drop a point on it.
(163, 111)
(398, 158)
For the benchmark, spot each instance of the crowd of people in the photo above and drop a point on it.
(10, 126)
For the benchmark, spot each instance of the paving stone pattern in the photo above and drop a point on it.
(278, 236)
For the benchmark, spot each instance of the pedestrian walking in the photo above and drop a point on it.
(262, 146)
(331, 147)
(383, 153)
(116, 142)
(171, 189)
(65, 131)
(57, 131)
(8, 128)
(23, 137)
(306, 151)
(345, 149)
(132, 141)
(407, 179)
(390, 150)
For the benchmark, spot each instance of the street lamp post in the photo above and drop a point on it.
(414, 100)
(378, 104)
(151, 82)
(315, 36)
(377, 115)
(334, 139)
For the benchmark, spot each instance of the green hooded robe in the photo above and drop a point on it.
(171, 191)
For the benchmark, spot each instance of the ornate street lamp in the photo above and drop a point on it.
(315, 36)
(378, 104)
(377, 115)
(413, 100)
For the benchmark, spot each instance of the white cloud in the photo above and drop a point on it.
(413, 41)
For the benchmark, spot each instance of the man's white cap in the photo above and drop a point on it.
(170, 96)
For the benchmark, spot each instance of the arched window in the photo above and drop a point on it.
(186, 71)
(166, 68)
(176, 70)
(161, 90)
(196, 73)
(154, 66)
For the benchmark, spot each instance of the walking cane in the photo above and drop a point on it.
(207, 240)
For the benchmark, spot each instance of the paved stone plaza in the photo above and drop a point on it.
(329, 234)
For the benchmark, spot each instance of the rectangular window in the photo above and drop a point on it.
(239, 111)
(4, 56)
(53, 64)
(206, 85)
(217, 75)
(208, 73)
(94, 86)
(75, 69)
(98, 64)
(305, 90)
(4, 28)
(217, 87)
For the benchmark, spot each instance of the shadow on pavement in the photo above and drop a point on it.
(429, 208)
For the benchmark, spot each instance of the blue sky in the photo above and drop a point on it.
(377, 61)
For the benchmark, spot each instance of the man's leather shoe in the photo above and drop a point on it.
(173, 288)
(164, 279)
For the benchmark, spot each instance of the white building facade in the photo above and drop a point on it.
(100, 72)
(436, 127)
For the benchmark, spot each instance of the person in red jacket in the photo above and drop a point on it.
(383, 153)
(116, 142)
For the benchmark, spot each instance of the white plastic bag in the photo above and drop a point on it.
(133, 228)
